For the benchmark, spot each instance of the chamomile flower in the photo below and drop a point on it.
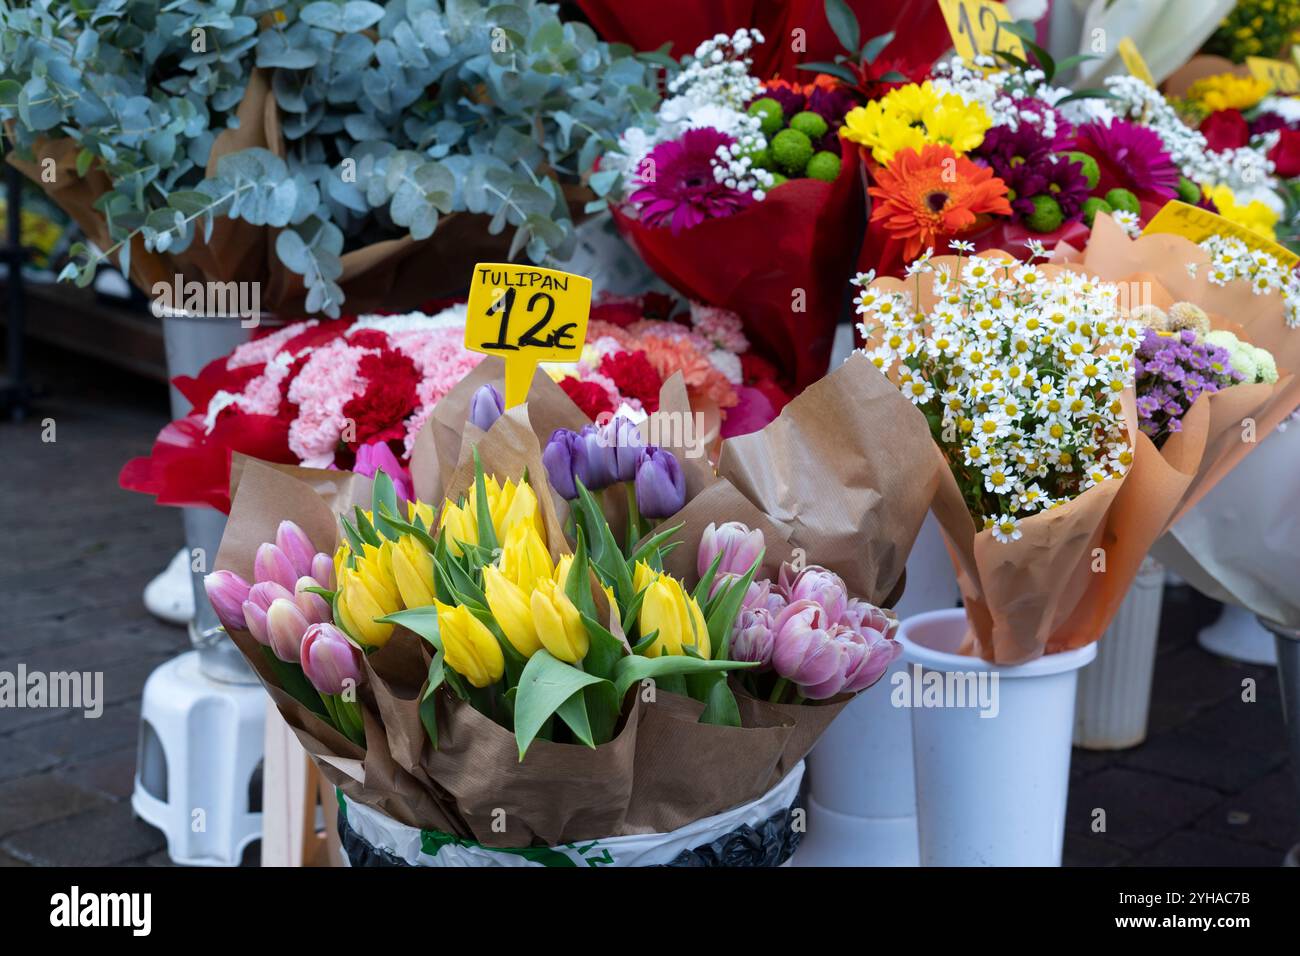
(1006, 529)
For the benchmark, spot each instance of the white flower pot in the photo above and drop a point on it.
(992, 779)
(861, 790)
(1115, 689)
(1238, 636)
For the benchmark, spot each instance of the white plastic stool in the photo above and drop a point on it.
(200, 748)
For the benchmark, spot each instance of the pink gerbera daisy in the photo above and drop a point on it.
(677, 185)
(1131, 156)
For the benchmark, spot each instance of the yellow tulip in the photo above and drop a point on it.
(559, 625)
(469, 646)
(516, 504)
(340, 561)
(460, 525)
(668, 609)
(509, 605)
(562, 579)
(422, 510)
(413, 572)
(643, 576)
(361, 599)
(524, 558)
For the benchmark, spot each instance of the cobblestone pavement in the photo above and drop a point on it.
(1209, 787)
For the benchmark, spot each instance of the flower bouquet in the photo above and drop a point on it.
(738, 193)
(355, 393)
(510, 672)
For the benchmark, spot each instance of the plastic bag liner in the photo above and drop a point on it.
(758, 833)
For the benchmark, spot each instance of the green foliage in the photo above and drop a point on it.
(393, 116)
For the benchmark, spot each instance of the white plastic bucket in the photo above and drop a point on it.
(991, 781)
(1115, 689)
(861, 786)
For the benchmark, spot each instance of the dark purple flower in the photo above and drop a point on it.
(1007, 150)
(622, 443)
(660, 484)
(561, 449)
(487, 405)
(1067, 184)
(1267, 123)
(678, 187)
(791, 100)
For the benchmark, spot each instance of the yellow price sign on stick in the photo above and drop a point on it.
(526, 315)
(1197, 224)
(979, 28)
(1134, 62)
(1282, 76)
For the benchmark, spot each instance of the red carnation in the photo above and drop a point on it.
(317, 335)
(621, 314)
(1225, 129)
(1286, 154)
(382, 409)
(634, 377)
(588, 396)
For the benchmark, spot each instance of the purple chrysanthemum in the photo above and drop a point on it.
(1024, 182)
(1173, 371)
(791, 100)
(1067, 184)
(680, 189)
(1130, 156)
(1006, 150)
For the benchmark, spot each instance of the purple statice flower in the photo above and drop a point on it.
(1173, 370)
(678, 187)
(1131, 156)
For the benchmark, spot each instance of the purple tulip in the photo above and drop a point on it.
(227, 591)
(322, 569)
(376, 457)
(285, 626)
(815, 583)
(592, 463)
(487, 405)
(296, 546)
(561, 449)
(869, 655)
(660, 484)
(738, 545)
(313, 606)
(331, 662)
(272, 564)
(806, 653)
(752, 637)
(260, 597)
(622, 442)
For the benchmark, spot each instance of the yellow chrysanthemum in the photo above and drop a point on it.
(1254, 215)
(1227, 91)
(913, 117)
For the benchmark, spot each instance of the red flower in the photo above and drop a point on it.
(588, 396)
(368, 339)
(619, 312)
(381, 410)
(1225, 129)
(634, 376)
(1286, 154)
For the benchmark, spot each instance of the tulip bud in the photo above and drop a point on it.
(469, 646)
(593, 464)
(487, 405)
(322, 569)
(460, 525)
(285, 626)
(668, 609)
(660, 484)
(331, 662)
(752, 638)
(738, 545)
(376, 457)
(510, 606)
(524, 558)
(296, 546)
(558, 458)
(863, 616)
(314, 607)
(227, 591)
(516, 505)
(804, 651)
(815, 583)
(260, 597)
(869, 655)
(622, 443)
(559, 624)
(272, 564)
(413, 572)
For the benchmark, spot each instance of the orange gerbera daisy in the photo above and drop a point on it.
(922, 196)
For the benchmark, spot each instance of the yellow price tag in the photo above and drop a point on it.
(1133, 61)
(1199, 224)
(1282, 76)
(526, 315)
(978, 28)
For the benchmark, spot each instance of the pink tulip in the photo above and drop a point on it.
(260, 597)
(314, 607)
(815, 583)
(272, 564)
(331, 662)
(752, 638)
(285, 626)
(862, 616)
(376, 457)
(737, 543)
(227, 591)
(296, 546)
(869, 655)
(806, 653)
(322, 569)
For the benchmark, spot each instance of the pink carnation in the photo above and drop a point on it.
(722, 327)
(261, 396)
(268, 346)
(442, 360)
(669, 354)
(328, 380)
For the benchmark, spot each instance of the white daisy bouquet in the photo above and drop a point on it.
(1025, 374)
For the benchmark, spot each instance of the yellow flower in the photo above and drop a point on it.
(562, 579)
(559, 625)
(668, 609)
(1227, 91)
(883, 133)
(524, 558)
(422, 510)
(1254, 215)
(960, 124)
(367, 592)
(460, 525)
(914, 116)
(413, 572)
(515, 504)
(912, 103)
(642, 576)
(510, 606)
(469, 646)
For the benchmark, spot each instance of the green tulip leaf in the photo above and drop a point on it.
(632, 609)
(367, 530)
(720, 704)
(487, 536)
(383, 500)
(632, 670)
(722, 614)
(387, 522)
(603, 654)
(703, 590)
(652, 544)
(295, 683)
(546, 684)
(429, 700)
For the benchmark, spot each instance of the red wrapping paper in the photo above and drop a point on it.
(804, 235)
